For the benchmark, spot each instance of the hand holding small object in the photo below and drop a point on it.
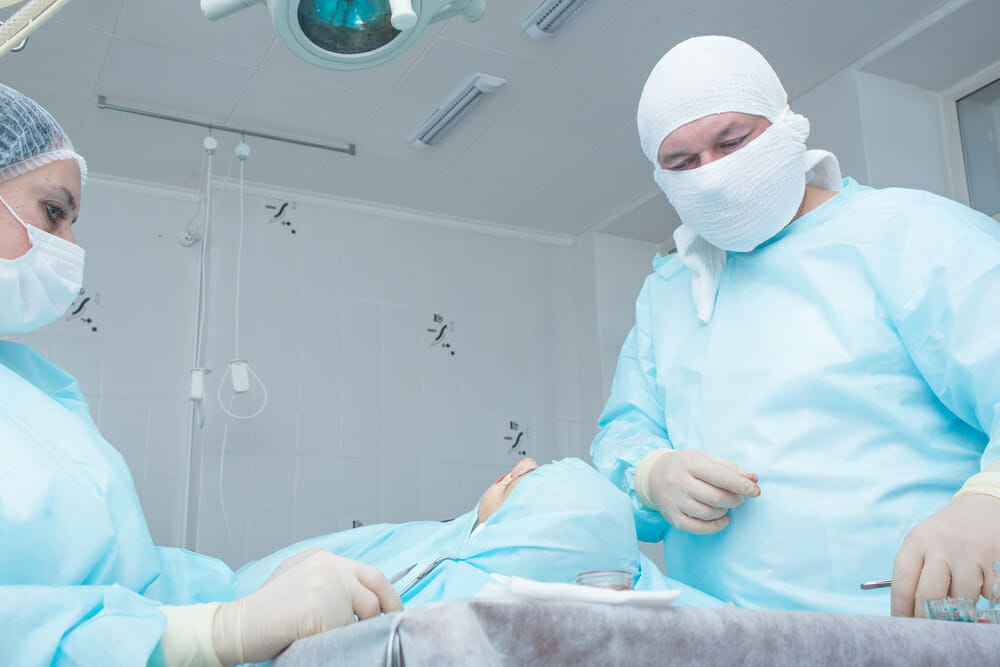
(694, 490)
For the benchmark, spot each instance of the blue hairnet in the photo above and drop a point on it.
(30, 137)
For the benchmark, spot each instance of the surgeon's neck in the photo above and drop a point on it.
(812, 199)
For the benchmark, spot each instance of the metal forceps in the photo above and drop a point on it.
(427, 570)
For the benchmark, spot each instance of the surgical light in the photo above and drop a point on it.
(350, 34)
(446, 116)
(550, 16)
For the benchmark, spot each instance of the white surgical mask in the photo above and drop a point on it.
(743, 199)
(37, 287)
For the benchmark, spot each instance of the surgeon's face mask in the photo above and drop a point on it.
(744, 198)
(37, 287)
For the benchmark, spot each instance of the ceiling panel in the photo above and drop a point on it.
(243, 38)
(171, 81)
(307, 111)
(62, 58)
(101, 15)
(931, 60)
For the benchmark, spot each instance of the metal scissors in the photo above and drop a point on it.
(870, 585)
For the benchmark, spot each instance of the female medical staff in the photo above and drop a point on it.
(810, 397)
(80, 579)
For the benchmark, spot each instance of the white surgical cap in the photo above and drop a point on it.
(703, 76)
(30, 137)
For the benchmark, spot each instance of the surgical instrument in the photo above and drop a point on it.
(402, 573)
(870, 585)
(427, 570)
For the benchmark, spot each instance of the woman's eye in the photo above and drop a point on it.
(54, 213)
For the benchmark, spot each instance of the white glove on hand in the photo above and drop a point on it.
(309, 593)
(692, 489)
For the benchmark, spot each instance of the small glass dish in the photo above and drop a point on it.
(952, 609)
(616, 580)
(988, 616)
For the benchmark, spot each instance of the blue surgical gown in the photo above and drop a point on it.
(81, 581)
(852, 362)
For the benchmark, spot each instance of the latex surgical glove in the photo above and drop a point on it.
(311, 592)
(949, 553)
(692, 489)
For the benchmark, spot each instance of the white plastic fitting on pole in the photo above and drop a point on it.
(217, 9)
(403, 16)
(472, 10)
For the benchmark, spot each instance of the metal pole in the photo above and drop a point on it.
(350, 149)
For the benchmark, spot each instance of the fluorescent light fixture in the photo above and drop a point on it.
(550, 17)
(448, 114)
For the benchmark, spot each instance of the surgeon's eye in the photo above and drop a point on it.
(54, 213)
(681, 166)
(734, 143)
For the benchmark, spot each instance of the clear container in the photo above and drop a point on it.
(617, 580)
(952, 609)
(988, 616)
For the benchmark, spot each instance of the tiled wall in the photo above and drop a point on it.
(367, 418)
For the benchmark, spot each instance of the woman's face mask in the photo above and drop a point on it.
(37, 287)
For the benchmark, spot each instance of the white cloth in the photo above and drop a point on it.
(710, 75)
(519, 588)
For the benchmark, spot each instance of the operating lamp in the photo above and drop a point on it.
(350, 34)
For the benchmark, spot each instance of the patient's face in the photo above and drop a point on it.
(498, 492)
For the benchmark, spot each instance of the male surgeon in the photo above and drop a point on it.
(810, 397)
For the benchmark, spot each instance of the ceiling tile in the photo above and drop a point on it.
(243, 38)
(803, 58)
(637, 37)
(101, 15)
(931, 61)
(169, 81)
(59, 57)
(276, 104)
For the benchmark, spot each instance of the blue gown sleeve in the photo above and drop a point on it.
(938, 272)
(632, 423)
(77, 625)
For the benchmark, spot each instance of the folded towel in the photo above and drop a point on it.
(519, 588)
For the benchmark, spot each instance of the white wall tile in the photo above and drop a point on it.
(317, 484)
(361, 489)
(272, 482)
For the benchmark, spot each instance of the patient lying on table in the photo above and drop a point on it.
(547, 523)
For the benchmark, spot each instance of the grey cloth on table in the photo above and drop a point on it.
(481, 632)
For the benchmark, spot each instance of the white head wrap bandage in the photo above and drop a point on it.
(739, 201)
